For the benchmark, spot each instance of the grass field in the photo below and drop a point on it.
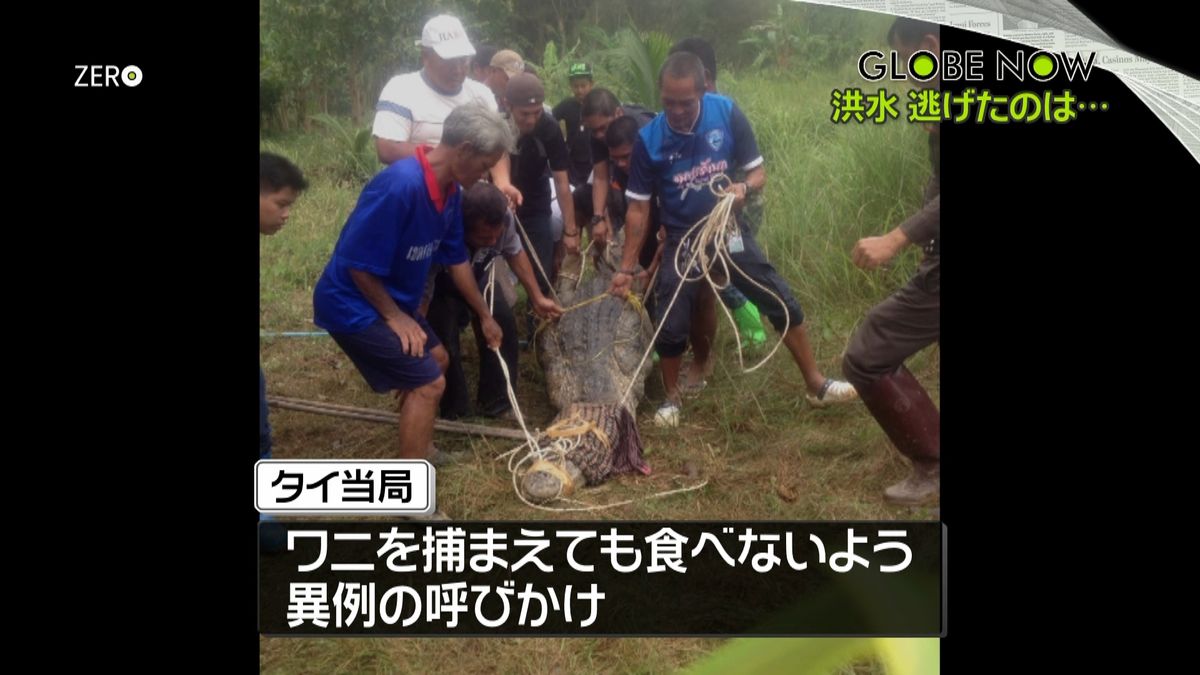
(764, 451)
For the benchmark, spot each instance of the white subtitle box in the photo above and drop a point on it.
(328, 486)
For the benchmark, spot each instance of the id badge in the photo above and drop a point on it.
(735, 242)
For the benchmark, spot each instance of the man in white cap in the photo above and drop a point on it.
(413, 106)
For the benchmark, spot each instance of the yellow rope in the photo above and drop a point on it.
(585, 303)
(636, 301)
(577, 426)
(631, 298)
(567, 485)
(569, 434)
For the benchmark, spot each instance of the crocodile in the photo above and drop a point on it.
(590, 357)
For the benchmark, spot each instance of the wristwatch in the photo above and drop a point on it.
(597, 219)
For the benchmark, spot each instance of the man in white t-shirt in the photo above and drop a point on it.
(413, 106)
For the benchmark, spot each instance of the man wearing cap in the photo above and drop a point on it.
(570, 112)
(413, 106)
(505, 65)
(541, 151)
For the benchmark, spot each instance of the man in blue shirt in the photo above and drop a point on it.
(371, 289)
(746, 315)
(697, 137)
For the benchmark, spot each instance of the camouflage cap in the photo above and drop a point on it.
(579, 69)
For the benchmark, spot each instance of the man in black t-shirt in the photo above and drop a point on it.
(570, 112)
(541, 152)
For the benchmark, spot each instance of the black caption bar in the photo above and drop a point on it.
(602, 578)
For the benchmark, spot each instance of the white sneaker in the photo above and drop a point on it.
(917, 489)
(667, 415)
(833, 391)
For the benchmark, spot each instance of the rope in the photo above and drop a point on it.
(556, 471)
(530, 440)
(564, 437)
(489, 291)
(653, 278)
(533, 254)
(720, 239)
(712, 230)
(579, 305)
(577, 426)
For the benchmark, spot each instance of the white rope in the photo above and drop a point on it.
(556, 451)
(533, 254)
(714, 229)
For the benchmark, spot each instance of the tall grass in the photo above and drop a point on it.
(827, 186)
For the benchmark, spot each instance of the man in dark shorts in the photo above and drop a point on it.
(489, 232)
(697, 137)
(369, 294)
(908, 321)
(745, 313)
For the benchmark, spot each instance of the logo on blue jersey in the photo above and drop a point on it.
(715, 138)
(418, 253)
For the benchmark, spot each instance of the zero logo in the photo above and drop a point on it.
(108, 76)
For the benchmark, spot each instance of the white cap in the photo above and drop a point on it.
(445, 35)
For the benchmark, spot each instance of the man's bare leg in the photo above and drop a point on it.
(418, 409)
(796, 340)
(703, 332)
